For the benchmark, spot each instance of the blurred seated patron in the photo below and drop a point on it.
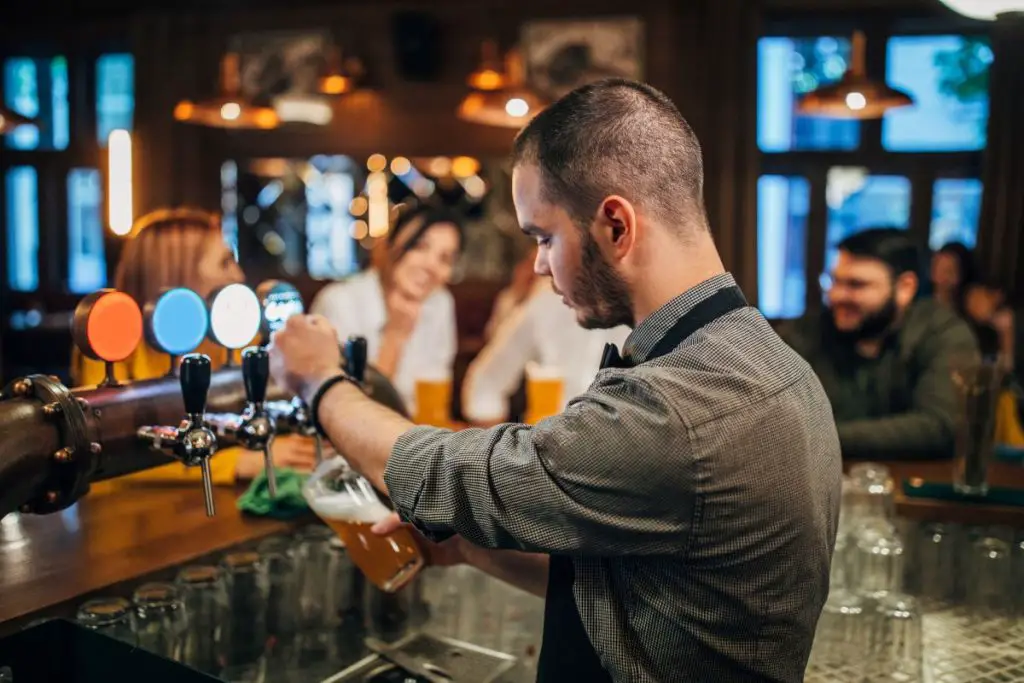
(183, 247)
(542, 330)
(883, 355)
(999, 326)
(952, 272)
(522, 287)
(402, 305)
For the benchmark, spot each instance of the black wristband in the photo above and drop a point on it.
(314, 405)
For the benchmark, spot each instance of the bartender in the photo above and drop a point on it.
(679, 515)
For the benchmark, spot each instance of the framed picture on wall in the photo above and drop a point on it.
(277, 64)
(563, 54)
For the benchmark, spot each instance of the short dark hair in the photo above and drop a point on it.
(964, 258)
(616, 136)
(891, 246)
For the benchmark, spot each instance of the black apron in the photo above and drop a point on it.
(566, 652)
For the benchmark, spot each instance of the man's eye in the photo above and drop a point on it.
(543, 241)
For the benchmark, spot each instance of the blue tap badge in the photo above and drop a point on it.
(177, 321)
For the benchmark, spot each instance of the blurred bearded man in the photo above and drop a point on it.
(883, 355)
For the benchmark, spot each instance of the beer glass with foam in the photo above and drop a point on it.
(544, 389)
(349, 505)
(434, 400)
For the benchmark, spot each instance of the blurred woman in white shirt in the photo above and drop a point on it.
(542, 331)
(403, 307)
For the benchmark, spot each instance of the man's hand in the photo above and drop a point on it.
(304, 353)
(444, 554)
(288, 450)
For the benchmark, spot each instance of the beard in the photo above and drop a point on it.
(599, 295)
(875, 324)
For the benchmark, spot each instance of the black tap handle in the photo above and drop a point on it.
(195, 382)
(255, 373)
(355, 358)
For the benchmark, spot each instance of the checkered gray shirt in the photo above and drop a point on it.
(697, 494)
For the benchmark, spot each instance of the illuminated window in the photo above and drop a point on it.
(858, 201)
(38, 89)
(782, 206)
(786, 69)
(229, 204)
(956, 208)
(330, 249)
(948, 78)
(115, 94)
(22, 228)
(87, 262)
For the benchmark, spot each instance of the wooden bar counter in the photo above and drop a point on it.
(111, 537)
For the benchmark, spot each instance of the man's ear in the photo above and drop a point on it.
(907, 285)
(617, 225)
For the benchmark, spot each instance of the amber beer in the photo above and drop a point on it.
(544, 389)
(348, 504)
(433, 401)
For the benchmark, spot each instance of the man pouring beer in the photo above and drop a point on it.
(679, 516)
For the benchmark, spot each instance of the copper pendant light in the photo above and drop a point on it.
(509, 105)
(231, 109)
(342, 74)
(11, 120)
(855, 96)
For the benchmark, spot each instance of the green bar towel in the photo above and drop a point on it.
(289, 503)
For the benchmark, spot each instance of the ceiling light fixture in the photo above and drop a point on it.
(231, 109)
(855, 96)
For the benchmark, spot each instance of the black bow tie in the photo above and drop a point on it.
(610, 358)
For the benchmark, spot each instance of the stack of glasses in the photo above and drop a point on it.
(297, 609)
(895, 585)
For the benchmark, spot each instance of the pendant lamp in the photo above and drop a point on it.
(231, 109)
(855, 96)
(511, 104)
(984, 9)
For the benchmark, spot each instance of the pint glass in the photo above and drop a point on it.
(349, 505)
(433, 401)
(544, 388)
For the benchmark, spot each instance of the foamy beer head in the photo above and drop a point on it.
(349, 505)
(544, 389)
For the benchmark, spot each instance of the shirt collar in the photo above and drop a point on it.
(645, 336)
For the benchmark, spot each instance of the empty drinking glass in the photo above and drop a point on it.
(896, 647)
(879, 560)
(245, 629)
(843, 637)
(160, 619)
(278, 555)
(205, 596)
(990, 585)
(936, 575)
(110, 616)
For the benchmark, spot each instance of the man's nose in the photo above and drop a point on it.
(540, 264)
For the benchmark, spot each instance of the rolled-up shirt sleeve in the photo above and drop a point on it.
(611, 475)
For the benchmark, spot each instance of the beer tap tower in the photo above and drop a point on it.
(255, 431)
(192, 442)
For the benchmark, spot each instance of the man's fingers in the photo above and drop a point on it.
(385, 526)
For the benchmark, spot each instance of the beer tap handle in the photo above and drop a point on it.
(256, 374)
(355, 358)
(195, 383)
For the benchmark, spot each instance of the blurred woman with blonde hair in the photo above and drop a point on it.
(183, 247)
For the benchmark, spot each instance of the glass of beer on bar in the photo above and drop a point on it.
(434, 400)
(349, 505)
(544, 388)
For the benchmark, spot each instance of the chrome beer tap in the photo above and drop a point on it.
(192, 442)
(256, 429)
(293, 416)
